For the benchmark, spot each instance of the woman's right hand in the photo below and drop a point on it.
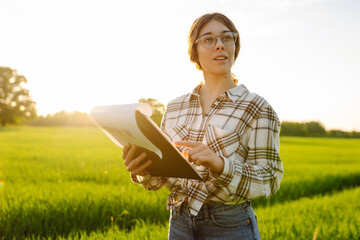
(134, 164)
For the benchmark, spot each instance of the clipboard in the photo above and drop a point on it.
(131, 123)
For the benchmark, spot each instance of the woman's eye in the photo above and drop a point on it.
(228, 37)
(208, 39)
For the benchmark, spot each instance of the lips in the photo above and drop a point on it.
(220, 58)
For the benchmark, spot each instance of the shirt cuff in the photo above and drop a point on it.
(227, 175)
(140, 179)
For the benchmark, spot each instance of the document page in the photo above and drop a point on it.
(118, 122)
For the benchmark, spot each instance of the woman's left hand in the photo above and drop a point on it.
(201, 154)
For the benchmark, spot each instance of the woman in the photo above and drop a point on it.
(229, 134)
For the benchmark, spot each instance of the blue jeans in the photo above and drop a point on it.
(214, 221)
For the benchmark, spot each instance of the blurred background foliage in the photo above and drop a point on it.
(17, 107)
(15, 100)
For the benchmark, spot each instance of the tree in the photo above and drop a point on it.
(315, 129)
(15, 101)
(157, 107)
(293, 129)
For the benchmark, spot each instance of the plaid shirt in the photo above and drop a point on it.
(243, 129)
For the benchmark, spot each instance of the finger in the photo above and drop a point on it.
(198, 149)
(135, 162)
(203, 153)
(216, 165)
(142, 169)
(185, 154)
(130, 154)
(188, 144)
(125, 150)
(202, 161)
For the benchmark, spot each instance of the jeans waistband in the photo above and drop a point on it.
(209, 209)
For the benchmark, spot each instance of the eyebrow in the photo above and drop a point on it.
(207, 33)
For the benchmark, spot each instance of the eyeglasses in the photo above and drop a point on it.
(209, 41)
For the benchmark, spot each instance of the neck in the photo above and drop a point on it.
(215, 84)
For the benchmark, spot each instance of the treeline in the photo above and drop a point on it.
(80, 119)
(63, 118)
(313, 129)
(297, 129)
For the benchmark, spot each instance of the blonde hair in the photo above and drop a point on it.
(235, 80)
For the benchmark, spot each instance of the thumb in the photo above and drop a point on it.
(185, 154)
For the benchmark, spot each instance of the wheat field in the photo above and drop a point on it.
(70, 183)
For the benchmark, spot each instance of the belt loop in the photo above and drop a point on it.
(174, 212)
(206, 212)
(247, 205)
(183, 208)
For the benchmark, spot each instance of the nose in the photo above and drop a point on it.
(219, 44)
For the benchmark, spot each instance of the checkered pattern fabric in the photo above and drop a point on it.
(243, 129)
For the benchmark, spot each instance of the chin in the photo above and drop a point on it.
(219, 71)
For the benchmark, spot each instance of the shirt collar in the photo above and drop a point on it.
(232, 94)
(237, 92)
(195, 93)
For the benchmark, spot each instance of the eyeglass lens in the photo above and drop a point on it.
(228, 38)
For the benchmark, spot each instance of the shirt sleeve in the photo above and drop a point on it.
(149, 182)
(259, 176)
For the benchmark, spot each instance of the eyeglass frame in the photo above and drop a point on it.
(216, 38)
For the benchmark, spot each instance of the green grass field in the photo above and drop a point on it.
(70, 183)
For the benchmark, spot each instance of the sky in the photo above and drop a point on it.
(303, 57)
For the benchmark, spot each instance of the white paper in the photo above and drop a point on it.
(118, 122)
